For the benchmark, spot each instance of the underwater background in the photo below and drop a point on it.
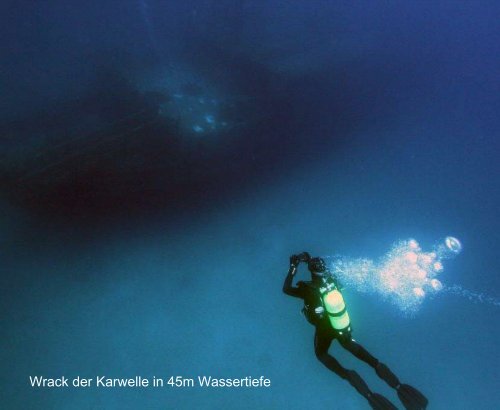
(161, 160)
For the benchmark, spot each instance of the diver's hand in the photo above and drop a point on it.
(304, 257)
(294, 261)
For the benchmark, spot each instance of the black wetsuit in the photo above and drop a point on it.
(311, 293)
(325, 333)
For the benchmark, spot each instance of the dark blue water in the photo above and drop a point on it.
(135, 244)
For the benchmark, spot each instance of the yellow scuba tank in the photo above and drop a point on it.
(335, 306)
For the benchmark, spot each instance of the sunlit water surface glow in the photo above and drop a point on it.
(406, 275)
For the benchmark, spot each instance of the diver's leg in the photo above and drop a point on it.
(359, 351)
(322, 342)
(411, 398)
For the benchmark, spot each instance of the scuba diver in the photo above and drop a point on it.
(324, 307)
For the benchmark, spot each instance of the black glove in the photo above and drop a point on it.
(304, 257)
(294, 261)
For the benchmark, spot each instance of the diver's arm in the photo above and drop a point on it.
(288, 288)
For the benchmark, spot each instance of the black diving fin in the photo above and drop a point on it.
(376, 401)
(379, 402)
(411, 398)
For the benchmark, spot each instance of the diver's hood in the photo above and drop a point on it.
(317, 266)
